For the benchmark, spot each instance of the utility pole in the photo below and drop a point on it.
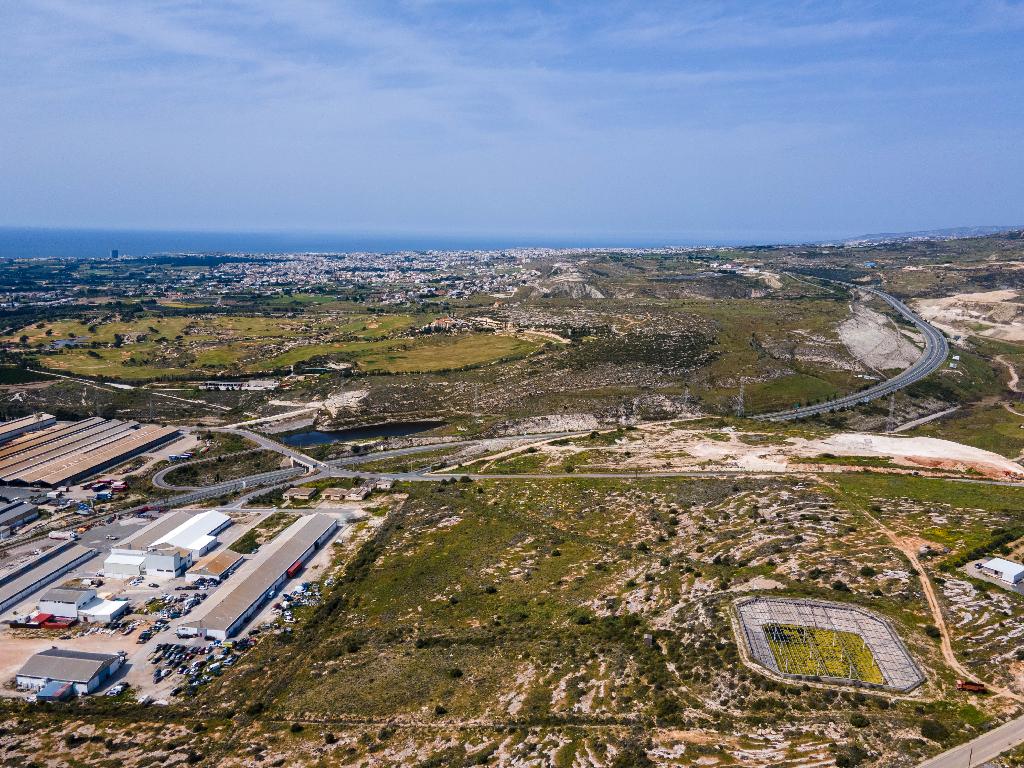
(890, 424)
(739, 401)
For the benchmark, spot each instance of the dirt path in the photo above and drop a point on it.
(1014, 379)
(909, 549)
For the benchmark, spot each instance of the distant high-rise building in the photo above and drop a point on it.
(113, 253)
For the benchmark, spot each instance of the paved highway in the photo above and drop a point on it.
(982, 749)
(936, 350)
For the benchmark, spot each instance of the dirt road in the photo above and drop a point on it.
(910, 551)
(1014, 381)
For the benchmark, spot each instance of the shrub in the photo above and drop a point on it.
(933, 730)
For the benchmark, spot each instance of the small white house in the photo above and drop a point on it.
(1004, 570)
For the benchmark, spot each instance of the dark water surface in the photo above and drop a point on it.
(311, 437)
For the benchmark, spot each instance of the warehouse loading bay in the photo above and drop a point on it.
(181, 603)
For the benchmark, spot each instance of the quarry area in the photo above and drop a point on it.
(673, 447)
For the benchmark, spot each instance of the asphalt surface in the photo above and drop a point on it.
(982, 749)
(936, 350)
(273, 445)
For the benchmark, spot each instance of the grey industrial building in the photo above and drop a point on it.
(232, 605)
(14, 514)
(17, 427)
(85, 671)
(65, 453)
(30, 577)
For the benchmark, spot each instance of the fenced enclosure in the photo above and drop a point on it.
(832, 642)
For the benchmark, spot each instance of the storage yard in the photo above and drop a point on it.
(44, 453)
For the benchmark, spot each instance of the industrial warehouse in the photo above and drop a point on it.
(21, 582)
(14, 514)
(217, 566)
(79, 604)
(256, 581)
(39, 451)
(12, 429)
(167, 546)
(77, 671)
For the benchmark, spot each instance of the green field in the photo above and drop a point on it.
(815, 652)
(153, 347)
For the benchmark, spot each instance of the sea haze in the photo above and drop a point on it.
(33, 242)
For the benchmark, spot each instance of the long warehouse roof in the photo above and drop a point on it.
(56, 455)
(143, 439)
(40, 572)
(63, 447)
(256, 577)
(16, 427)
(148, 534)
(28, 445)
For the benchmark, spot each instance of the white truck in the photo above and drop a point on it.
(63, 535)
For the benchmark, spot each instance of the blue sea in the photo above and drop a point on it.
(32, 242)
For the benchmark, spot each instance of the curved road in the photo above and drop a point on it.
(936, 350)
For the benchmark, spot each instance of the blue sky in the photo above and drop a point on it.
(773, 120)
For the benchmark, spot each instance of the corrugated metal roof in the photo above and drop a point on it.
(63, 595)
(144, 438)
(149, 534)
(67, 665)
(16, 512)
(250, 584)
(60, 453)
(15, 427)
(195, 532)
(216, 564)
(41, 569)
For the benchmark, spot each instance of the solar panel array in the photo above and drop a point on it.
(899, 670)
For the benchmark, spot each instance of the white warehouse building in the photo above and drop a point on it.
(166, 546)
(81, 604)
(1004, 570)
